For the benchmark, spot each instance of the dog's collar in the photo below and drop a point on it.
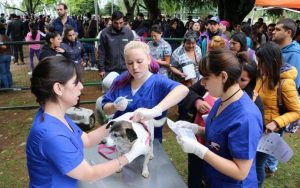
(149, 133)
(104, 150)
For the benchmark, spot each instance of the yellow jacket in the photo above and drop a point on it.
(289, 98)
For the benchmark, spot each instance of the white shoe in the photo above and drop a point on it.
(94, 69)
(87, 68)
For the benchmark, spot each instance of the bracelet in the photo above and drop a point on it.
(120, 164)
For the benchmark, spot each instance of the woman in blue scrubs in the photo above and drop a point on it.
(141, 90)
(233, 127)
(55, 144)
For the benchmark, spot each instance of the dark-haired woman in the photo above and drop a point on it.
(160, 49)
(73, 48)
(238, 43)
(187, 54)
(194, 103)
(52, 48)
(141, 90)
(55, 144)
(33, 35)
(233, 126)
(248, 80)
(272, 72)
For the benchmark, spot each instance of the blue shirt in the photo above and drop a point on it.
(152, 92)
(158, 51)
(291, 55)
(53, 150)
(234, 133)
(59, 27)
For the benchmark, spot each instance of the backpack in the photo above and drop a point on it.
(292, 127)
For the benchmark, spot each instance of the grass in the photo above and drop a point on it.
(14, 130)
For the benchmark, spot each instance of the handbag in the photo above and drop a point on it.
(292, 127)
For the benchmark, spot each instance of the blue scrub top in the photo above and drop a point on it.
(52, 151)
(234, 133)
(151, 93)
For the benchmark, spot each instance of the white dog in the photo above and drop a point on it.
(124, 132)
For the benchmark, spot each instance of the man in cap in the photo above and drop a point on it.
(213, 30)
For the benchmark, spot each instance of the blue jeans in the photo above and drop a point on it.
(5, 74)
(264, 160)
(261, 161)
(31, 55)
(272, 163)
(90, 50)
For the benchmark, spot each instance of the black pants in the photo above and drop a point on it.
(18, 49)
(195, 172)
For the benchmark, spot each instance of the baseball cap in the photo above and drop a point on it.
(214, 19)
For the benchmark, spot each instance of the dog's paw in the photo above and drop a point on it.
(145, 173)
(120, 170)
(151, 157)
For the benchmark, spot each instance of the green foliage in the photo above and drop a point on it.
(81, 7)
(274, 13)
(106, 11)
(169, 7)
(193, 5)
(49, 2)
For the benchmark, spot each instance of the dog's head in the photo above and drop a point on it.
(121, 134)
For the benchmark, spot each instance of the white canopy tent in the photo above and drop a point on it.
(272, 4)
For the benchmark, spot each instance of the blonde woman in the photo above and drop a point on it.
(141, 90)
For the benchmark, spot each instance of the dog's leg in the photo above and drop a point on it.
(119, 155)
(151, 150)
(145, 172)
(151, 130)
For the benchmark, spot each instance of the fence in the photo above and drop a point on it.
(21, 79)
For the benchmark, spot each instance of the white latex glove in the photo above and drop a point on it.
(138, 148)
(145, 114)
(185, 124)
(121, 103)
(189, 145)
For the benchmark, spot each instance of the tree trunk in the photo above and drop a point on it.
(130, 9)
(153, 9)
(234, 10)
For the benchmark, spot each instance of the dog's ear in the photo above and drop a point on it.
(131, 135)
(109, 124)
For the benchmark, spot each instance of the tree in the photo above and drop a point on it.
(231, 10)
(81, 6)
(234, 10)
(130, 8)
(153, 9)
(30, 7)
(169, 7)
(106, 11)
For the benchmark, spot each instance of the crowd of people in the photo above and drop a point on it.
(240, 66)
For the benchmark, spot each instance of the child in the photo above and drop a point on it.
(33, 35)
